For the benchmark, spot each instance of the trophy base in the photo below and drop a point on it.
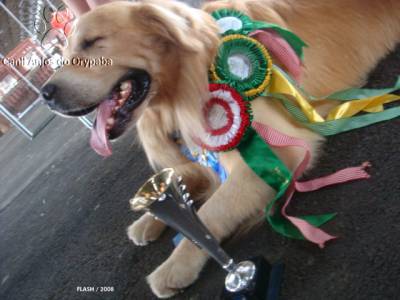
(265, 285)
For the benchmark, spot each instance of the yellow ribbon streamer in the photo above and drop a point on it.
(351, 108)
(281, 85)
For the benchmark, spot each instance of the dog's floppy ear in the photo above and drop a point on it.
(168, 26)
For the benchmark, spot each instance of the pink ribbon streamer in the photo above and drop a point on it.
(279, 139)
(280, 49)
(341, 176)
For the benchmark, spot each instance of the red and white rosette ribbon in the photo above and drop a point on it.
(226, 116)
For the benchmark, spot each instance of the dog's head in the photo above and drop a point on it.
(123, 57)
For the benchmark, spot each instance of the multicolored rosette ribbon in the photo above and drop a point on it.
(227, 116)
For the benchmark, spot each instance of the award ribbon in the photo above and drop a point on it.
(243, 70)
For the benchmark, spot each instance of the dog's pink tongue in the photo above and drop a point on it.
(99, 138)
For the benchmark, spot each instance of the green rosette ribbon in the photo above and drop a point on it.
(244, 64)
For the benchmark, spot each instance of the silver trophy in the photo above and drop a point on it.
(166, 197)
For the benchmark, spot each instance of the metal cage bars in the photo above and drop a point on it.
(9, 115)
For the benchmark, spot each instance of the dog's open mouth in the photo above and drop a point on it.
(114, 114)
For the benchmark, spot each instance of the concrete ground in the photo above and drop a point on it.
(64, 211)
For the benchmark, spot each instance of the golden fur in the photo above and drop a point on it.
(176, 44)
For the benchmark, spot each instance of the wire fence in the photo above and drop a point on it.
(30, 14)
(20, 83)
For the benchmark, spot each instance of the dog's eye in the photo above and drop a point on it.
(87, 43)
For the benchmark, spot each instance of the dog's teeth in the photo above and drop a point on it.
(124, 94)
(110, 121)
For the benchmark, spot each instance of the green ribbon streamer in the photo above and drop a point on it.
(333, 127)
(351, 94)
(264, 162)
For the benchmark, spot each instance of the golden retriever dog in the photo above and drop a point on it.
(161, 52)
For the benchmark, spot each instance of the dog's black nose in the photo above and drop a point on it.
(48, 91)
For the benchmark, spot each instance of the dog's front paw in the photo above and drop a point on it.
(179, 271)
(171, 277)
(145, 230)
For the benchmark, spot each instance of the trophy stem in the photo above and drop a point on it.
(230, 267)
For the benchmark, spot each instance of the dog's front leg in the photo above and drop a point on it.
(236, 201)
(145, 230)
